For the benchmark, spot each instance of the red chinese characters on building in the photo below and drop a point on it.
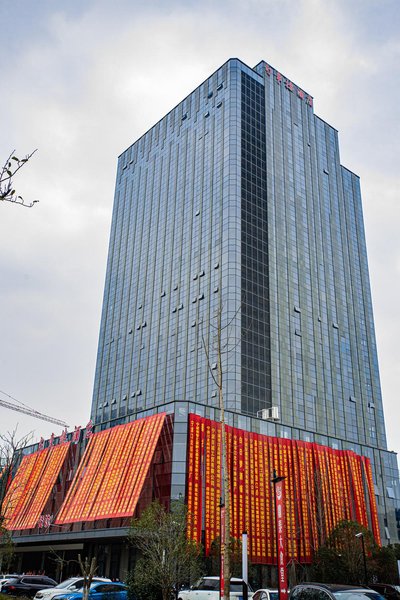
(76, 435)
(63, 436)
(289, 85)
(89, 430)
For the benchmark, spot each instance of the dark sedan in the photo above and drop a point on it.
(27, 585)
(331, 591)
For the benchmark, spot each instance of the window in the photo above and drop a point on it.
(390, 492)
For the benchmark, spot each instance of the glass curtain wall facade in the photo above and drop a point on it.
(235, 203)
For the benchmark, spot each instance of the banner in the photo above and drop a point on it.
(282, 537)
(112, 472)
(30, 489)
(222, 578)
(323, 486)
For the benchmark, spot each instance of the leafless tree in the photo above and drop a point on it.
(221, 345)
(88, 569)
(8, 171)
(10, 455)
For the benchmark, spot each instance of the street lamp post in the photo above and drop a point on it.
(280, 527)
(361, 536)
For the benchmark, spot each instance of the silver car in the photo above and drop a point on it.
(207, 588)
(73, 584)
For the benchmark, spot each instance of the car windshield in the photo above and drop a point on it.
(12, 580)
(236, 586)
(273, 596)
(358, 595)
(65, 583)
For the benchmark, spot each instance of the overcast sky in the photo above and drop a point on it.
(81, 81)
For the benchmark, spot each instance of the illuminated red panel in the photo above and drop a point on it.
(321, 484)
(112, 472)
(32, 485)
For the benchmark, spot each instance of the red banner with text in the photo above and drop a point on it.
(322, 487)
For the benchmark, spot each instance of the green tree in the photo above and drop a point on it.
(7, 173)
(383, 564)
(167, 558)
(340, 559)
(10, 455)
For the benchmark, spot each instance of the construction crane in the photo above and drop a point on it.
(23, 408)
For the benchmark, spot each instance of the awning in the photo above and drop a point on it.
(112, 472)
(31, 487)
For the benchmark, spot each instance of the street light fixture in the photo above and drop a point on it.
(361, 536)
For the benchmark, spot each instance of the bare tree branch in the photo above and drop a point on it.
(7, 172)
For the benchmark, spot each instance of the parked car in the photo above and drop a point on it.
(330, 591)
(207, 588)
(26, 585)
(266, 594)
(100, 590)
(4, 577)
(73, 584)
(387, 590)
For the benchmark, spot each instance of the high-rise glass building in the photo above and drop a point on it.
(235, 205)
